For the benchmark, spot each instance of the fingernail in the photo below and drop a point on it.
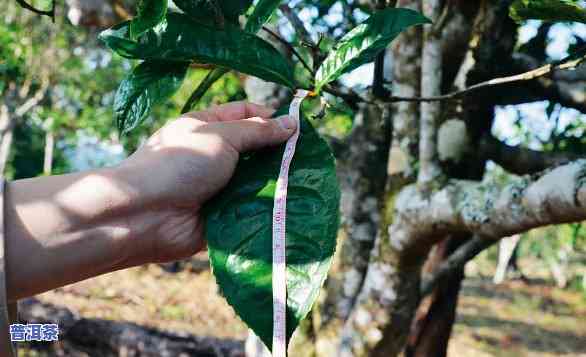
(286, 122)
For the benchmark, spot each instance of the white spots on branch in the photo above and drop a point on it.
(370, 204)
(380, 278)
(562, 189)
(362, 317)
(373, 336)
(397, 238)
(352, 280)
(363, 232)
(389, 294)
(452, 140)
(398, 161)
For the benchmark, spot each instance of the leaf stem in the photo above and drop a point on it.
(289, 47)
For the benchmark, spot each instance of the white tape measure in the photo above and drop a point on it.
(279, 220)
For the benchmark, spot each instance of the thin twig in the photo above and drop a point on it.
(50, 13)
(289, 47)
(569, 62)
(297, 24)
(350, 97)
(378, 88)
(303, 34)
(455, 262)
(526, 76)
(443, 19)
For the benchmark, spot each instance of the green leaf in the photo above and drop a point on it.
(179, 38)
(149, 14)
(206, 9)
(261, 14)
(239, 232)
(149, 83)
(547, 10)
(365, 41)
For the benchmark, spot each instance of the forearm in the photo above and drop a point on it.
(62, 229)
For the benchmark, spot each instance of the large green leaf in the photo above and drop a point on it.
(149, 14)
(261, 14)
(365, 41)
(179, 38)
(547, 10)
(148, 84)
(239, 232)
(205, 9)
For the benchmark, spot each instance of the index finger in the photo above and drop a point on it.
(231, 111)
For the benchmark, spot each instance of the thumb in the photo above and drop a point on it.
(255, 133)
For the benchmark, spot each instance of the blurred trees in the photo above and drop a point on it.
(59, 79)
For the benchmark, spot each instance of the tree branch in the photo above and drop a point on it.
(563, 87)
(297, 24)
(491, 209)
(456, 261)
(290, 48)
(519, 160)
(303, 34)
(431, 78)
(569, 62)
(32, 101)
(50, 13)
(378, 89)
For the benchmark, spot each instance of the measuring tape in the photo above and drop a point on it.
(279, 220)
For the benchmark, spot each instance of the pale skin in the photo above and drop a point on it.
(63, 229)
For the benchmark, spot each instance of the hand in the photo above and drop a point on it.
(188, 161)
(147, 209)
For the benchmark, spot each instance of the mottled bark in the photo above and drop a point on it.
(366, 331)
(390, 294)
(431, 75)
(432, 325)
(406, 66)
(433, 322)
(493, 209)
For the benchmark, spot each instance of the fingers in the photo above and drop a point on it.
(255, 133)
(231, 111)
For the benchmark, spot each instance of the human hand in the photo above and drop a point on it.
(187, 162)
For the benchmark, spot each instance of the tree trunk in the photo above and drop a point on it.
(432, 325)
(49, 148)
(507, 248)
(6, 134)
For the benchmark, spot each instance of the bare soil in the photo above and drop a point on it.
(517, 318)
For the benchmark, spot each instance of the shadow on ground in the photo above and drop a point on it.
(520, 318)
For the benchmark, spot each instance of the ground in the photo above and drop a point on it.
(517, 318)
